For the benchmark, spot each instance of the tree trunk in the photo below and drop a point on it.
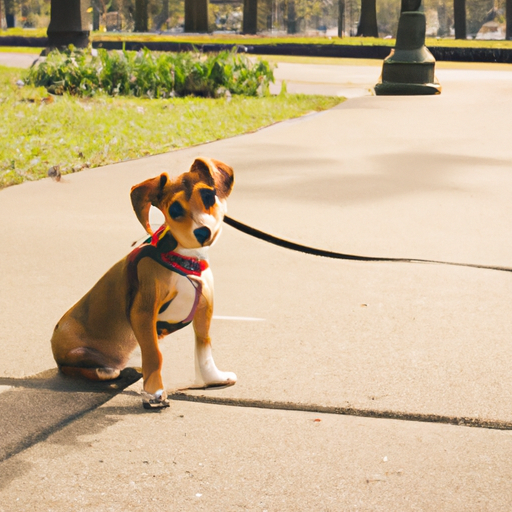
(70, 23)
(341, 17)
(141, 16)
(508, 7)
(163, 16)
(410, 5)
(291, 20)
(443, 29)
(459, 18)
(250, 17)
(368, 20)
(9, 13)
(196, 16)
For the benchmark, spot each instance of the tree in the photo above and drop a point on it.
(459, 18)
(163, 15)
(388, 13)
(508, 15)
(478, 13)
(292, 21)
(9, 13)
(368, 21)
(301, 12)
(341, 17)
(445, 19)
(196, 15)
(70, 22)
(250, 17)
(141, 16)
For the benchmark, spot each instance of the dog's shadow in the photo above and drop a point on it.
(32, 408)
(53, 380)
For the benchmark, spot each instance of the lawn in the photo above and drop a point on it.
(40, 131)
(255, 40)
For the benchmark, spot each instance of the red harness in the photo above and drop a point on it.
(158, 248)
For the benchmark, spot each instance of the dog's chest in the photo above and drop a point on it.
(182, 307)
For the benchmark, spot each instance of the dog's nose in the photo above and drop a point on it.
(202, 234)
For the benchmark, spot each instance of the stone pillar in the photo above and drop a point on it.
(409, 69)
(196, 16)
(70, 23)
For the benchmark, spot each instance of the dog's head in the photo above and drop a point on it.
(193, 204)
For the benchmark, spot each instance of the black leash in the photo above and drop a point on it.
(261, 235)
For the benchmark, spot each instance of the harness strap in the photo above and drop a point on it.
(159, 248)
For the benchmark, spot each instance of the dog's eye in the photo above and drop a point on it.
(176, 210)
(208, 197)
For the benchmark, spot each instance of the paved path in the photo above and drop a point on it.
(332, 356)
(17, 60)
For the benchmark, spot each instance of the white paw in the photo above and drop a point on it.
(156, 400)
(220, 379)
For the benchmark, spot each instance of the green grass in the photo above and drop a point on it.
(39, 131)
(20, 49)
(255, 40)
(25, 32)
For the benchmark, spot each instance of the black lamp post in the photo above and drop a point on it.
(409, 69)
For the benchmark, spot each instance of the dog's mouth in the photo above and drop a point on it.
(203, 235)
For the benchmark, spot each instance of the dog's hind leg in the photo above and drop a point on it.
(88, 363)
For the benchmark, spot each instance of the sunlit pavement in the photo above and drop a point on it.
(362, 385)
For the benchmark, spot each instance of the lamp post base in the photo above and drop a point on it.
(410, 68)
(404, 89)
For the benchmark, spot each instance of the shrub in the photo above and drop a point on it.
(150, 74)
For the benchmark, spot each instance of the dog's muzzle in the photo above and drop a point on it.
(202, 234)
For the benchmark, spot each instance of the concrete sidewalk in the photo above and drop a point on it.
(353, 348)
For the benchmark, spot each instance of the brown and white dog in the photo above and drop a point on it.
(161, 286)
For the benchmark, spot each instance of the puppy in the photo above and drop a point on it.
(160, 287)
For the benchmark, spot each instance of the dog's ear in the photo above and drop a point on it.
(147, 194)
(216, 174)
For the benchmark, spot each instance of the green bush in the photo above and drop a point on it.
(150, 74)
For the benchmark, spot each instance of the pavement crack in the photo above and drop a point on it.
(461, 421)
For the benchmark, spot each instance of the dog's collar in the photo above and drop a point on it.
(185, 264)
(174, 261)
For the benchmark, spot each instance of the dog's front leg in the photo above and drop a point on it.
(206, 370)
(143, 315)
